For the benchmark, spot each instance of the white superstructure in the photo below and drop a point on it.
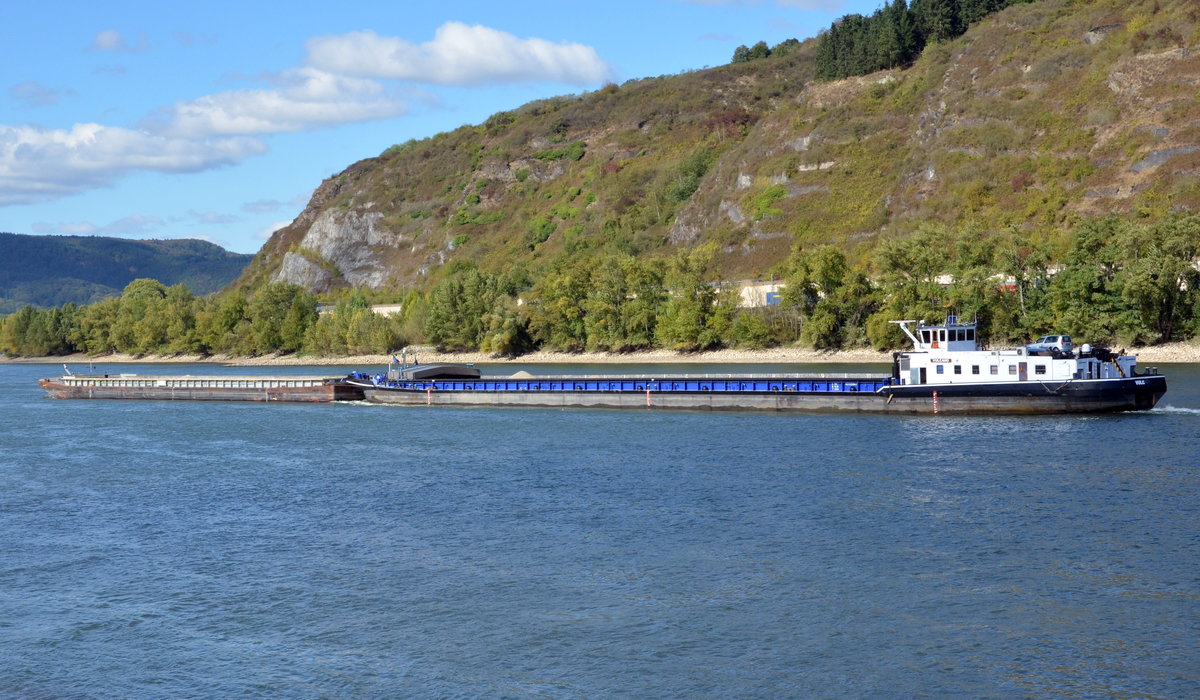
(949, 354)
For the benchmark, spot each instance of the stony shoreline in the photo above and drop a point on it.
(1158, 354)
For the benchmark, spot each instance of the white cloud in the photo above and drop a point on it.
(112, 40)
(212, 217)
(262, 206)
(341, 83)
(305, 98)
(33, 94)
(266, 206)
(189, 39)
(267, 231)
(42, 164)
(459, 54)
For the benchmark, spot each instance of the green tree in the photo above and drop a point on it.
(647, 293)
(832, 300)
(1159, 279)
(759, 50)
(220, 321)
(95, 327)
(507, 330)
(907, 271)
(938, 19)
(139, 327)
(1020, 309)
(608, 292)
(456, 315)
(279, 315)
(753, 330)
(1085, 294)
(686, 321)
(180, 308)
(17, 331)
(558, 306)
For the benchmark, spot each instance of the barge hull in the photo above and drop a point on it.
(1097, 396)
(321, 393)
(1140, 393)
(575, 399)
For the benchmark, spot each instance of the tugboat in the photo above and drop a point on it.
(945, 372)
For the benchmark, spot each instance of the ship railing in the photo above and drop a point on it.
(613, 384)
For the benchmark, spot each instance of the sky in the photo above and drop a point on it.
(217, 120)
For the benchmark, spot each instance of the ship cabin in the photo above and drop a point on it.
(949, 354)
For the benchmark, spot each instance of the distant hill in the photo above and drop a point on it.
(50, 271)
(1039, 116)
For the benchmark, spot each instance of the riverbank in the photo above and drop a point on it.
(1158, 354)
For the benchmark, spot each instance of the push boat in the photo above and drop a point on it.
(200, 388)
(944, 372)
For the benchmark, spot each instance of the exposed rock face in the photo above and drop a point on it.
(346, 239)
(297, 269)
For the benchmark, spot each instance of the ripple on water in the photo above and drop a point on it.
(230, 550)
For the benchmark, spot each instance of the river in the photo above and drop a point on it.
(238, 550)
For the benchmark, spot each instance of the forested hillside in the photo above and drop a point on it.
(50, 271)
(1039, 115)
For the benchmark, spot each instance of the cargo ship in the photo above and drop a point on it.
(201, 388)
(945, 372)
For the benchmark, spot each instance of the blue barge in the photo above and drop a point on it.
(945, 372)
(694, 384)
(765, 392)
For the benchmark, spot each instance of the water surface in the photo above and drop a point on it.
(190, 549)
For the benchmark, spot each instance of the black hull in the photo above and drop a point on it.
(1077, 396)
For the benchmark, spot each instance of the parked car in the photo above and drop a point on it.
(1051, 344)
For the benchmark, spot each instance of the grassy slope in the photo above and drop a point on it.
(1041, 114)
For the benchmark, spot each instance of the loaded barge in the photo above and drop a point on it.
(945, 372)
(201, 388)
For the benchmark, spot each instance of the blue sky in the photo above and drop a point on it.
(217, 120)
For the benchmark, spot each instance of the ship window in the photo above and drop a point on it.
(941, 369)
(1012, 369)
(958, 369)
(925, 337)
(1039, 369)
(995, 369)
(970, 334)
(974, 369)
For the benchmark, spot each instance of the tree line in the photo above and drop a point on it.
(895, 34)
(149, 318)
(1108, 281)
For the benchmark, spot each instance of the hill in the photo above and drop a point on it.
(1037, 117)
(50, 271)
